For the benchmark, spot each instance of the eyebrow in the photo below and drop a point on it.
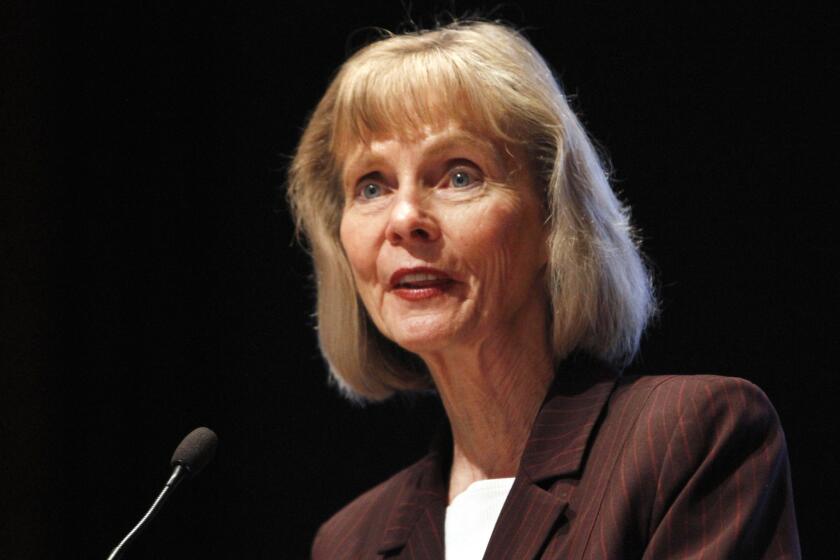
(475, 144)
(437, 146)
(354, 169)
(457, 139)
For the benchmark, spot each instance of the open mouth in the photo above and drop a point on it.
(414, 284)
(421, 280)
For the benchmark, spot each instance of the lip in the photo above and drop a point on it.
(424, 289)
(401, 273)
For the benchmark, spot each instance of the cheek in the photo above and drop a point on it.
(483, 238)
(504, 246)
(359, 247)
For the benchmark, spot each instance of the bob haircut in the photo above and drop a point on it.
(488, 78)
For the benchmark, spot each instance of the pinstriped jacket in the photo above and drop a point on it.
(615, 467)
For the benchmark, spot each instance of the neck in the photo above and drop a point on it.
(492, 392)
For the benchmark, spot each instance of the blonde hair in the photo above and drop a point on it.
(489, 78)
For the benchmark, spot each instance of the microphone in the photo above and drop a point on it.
(190, 457)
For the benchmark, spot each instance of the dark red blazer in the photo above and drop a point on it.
(682, 467)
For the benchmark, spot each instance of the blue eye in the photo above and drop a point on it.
(461, 179)
(371, 190)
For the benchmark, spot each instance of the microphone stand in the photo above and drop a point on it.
(178, 474)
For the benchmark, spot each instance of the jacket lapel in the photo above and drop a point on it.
(540, 494)
(555, 451)
(415, 526)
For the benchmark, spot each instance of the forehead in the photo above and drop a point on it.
(432, 142)
(410, 98)
(421, 117)
(430, 139)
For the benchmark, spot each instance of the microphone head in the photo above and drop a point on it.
(196, 450)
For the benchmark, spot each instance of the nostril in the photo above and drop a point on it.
(421, 233)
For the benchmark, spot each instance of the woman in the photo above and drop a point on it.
(465, 239)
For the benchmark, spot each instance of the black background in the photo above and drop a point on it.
(150, 283)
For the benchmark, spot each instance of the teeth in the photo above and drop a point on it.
(418, 277)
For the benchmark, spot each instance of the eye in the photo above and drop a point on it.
(371, 190)
(461, 178)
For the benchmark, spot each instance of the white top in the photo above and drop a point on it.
(471, 516)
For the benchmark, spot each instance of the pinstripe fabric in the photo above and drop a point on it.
(687, 467)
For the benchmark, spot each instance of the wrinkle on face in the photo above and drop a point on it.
(491, 239)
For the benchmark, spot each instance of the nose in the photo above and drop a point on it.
(410, 221)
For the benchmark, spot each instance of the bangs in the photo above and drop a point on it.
(408, 95)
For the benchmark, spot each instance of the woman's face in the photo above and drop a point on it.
(445, 239)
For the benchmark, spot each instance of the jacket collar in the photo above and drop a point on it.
(421, 507)
(556, 448)
(562, 430)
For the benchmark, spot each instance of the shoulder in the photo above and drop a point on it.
(698, 430)
(679, 447)
(700, 463)
(360, 525)
(712, 397)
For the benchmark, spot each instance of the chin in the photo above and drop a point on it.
(424, 335)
